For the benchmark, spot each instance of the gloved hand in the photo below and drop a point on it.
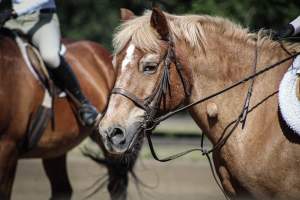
(285, 32)
(6, 15)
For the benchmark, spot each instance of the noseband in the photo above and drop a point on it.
(152, 103)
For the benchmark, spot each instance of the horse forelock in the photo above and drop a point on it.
(193, 29)
(138, 31)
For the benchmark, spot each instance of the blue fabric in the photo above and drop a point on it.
(23, 7)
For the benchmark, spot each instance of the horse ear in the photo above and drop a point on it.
(159, 23)
(126, 14)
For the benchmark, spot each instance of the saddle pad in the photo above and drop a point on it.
(35, 63)
(289, 104)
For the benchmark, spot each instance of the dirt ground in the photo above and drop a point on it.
(182, 179)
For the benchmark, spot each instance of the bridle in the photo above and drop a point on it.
(152, 104)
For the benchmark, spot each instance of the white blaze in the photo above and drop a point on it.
(128, 57)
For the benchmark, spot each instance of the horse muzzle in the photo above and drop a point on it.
(118, 139)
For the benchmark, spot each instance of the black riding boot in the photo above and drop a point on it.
(65, 78)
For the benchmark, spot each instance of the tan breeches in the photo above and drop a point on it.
(43, 31)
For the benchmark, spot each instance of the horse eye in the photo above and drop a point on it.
(150, 68)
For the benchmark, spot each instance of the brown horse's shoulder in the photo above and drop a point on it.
(20, 91)
(97, 58)
(92, 47)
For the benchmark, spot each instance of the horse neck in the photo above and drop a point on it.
(226, 61)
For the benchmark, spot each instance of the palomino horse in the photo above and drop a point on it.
(164, 61)
(20, 96)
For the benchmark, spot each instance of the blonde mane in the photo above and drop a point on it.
(191, 28)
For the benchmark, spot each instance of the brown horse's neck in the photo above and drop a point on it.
(226, 61)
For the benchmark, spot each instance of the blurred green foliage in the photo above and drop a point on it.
(94, 19)
(255, 14)
(97, 19)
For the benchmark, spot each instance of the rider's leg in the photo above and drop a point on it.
(65, 78)
(47, 38)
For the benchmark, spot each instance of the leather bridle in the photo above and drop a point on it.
(152, 103)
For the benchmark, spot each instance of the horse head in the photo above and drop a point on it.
(150, 81)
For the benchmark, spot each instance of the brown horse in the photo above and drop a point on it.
(20, 96)
(163, 61)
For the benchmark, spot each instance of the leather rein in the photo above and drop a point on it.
(152, 104)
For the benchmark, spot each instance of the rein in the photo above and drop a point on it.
(234, 124)
(250, 77)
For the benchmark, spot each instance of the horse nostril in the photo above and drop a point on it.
(117, 136)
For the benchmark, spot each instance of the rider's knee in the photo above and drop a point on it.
(51, 58)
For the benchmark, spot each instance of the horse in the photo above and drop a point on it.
(21, 94)
(166, 61)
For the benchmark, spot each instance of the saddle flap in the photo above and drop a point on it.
(38, 65)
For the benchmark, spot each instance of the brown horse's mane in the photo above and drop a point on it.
(193, 29)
